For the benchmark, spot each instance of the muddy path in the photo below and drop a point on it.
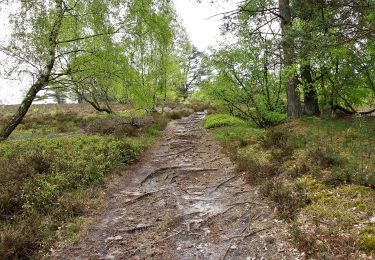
(183, 200)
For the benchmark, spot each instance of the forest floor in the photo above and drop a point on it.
(183, 200)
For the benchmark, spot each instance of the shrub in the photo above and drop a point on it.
(179, 113)
(20, 240)
(274, 118)
(119, 126)
(200, 106)
(161, 122)
(39, 180)
(326, 157)
(219, 120)
(289, 197)
(275, 138)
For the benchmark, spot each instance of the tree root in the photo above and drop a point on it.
(247, 202)
(226, 181)
(160, 171)
(180, 152)
(154, 243)
(216, 159)
(137, 228)
(242, 237)
(143, 196)
(195, 170)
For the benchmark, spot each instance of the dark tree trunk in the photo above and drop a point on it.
(43, 79)
(16, 119)
(293, 98)
(311, 106)
(95, 104)
(165, 90)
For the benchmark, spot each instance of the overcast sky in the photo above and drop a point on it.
(204, 32)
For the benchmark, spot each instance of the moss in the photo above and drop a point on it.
(368, 239)
(219, 120)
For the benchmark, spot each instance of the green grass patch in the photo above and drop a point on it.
(219, 120)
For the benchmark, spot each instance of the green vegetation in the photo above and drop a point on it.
(219, 120)
(48, 185)
(130, 58)
(320, 173)
(102, 53)
(293, 58)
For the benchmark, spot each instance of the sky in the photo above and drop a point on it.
(203, 32)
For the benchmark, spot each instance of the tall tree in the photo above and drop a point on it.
(293, 98)
(193, 71)
(44, 75)
(102, 51)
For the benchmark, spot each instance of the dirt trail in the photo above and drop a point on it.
(184, 200)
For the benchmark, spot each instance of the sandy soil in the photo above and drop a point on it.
(183, 200)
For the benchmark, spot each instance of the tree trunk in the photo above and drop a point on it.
(165, 90)
(22, 110)
(43, 78)
(311, 106)
(293, 98)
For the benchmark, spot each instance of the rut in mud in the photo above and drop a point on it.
(184, 200)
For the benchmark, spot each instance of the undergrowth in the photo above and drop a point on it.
(218, 120)
(320, 173)
(48, 184)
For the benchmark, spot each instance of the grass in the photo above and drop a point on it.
(48, 185)
(218, 120)
(320, 173)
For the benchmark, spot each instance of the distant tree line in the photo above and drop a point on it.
(99, 52)
(302, 57)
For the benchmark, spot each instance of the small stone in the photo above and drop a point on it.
(116, 238)
(372, 220)
(233, 247)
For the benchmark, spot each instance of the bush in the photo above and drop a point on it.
(274, 118)
(200, 106)
(161, 122)
(119, 126)
(20, 240)
(179, 113)
(38, 179)
(326, 157)
(289, 197)
(219, 120)
(275, 139)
